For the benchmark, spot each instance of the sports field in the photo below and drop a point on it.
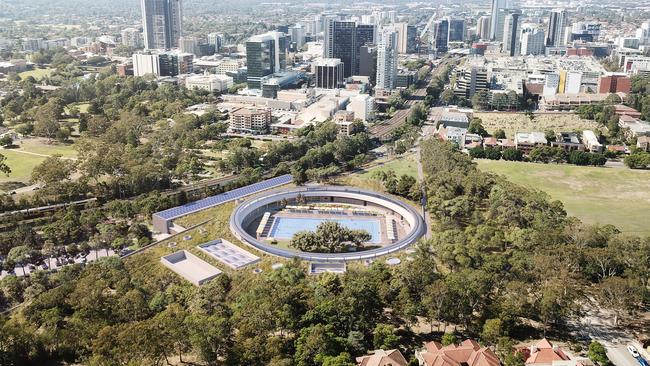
(617, 196)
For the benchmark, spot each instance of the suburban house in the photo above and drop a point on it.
(526, 141)
(544, 353)
(467, 353)
(568, 141)
(380, 357)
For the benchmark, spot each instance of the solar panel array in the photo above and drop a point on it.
(199, 205)
(228, 253)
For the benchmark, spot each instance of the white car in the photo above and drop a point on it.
(633, 351)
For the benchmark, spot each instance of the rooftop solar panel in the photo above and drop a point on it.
(199, 205)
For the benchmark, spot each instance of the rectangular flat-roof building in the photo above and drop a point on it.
(162, 220)
(190, 267)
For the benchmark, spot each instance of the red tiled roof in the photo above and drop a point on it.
(380, 357)
(469, 353)
(544, 353)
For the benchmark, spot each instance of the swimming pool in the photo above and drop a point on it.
(285, 227)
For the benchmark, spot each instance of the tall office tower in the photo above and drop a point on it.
(456, 30)
(266, 54)
(496, 6)
(643, 33)
(217, 40)
(189, 45)
(511, 33)
(440, 36)
(329, 73)
(532, 41)
(411, 39)
(387, 59)
(402, 36)
(162, 23)
(392, 16)
(483, 27)
(557, 23)
(501, 21)
(297, 33)
(368, 62)
(343, 40)
(131, 37)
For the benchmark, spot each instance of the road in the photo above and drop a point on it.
(598, 324)
(384, 129)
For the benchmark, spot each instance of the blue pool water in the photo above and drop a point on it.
(285, 227)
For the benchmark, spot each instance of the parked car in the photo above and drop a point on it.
(44, 266)
(633, 351)
(125, 251)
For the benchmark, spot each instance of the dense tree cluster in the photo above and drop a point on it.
(330, 237)
(499, 255)
(406, 185)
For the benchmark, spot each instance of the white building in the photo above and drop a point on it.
(643, 33)
(209, 82)
(297, 33)
(363, 107)
(590, 140)
(483, 27)
(402, 37)
(551, 84)
(144, 64)
(387, 60)
(131, 37)
(497, 5)
(217, 40)
(227, 66)
(532, 41)
(573, 82)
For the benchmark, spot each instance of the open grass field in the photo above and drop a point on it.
(402, 165)
(43, 147)
(36, 73)
(512, 123)
(617, 196)
(21, 165)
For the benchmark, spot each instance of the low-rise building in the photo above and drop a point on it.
(209, 82)
(453, 119)
(568, 141)
(643, 143)
(543, 353)
(467, 353)
(380, 357)
(526, 141)
(363, 107)
(634, 127)
(250, 120)
(590, 140)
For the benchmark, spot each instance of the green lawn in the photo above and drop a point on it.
(402, 165)
(42, 146)
(617, 196)
(21, 166)
(36, 73)
(83, 107)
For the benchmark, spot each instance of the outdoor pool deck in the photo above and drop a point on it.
(287, 223)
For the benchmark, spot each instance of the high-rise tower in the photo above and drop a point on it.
(162, 23)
